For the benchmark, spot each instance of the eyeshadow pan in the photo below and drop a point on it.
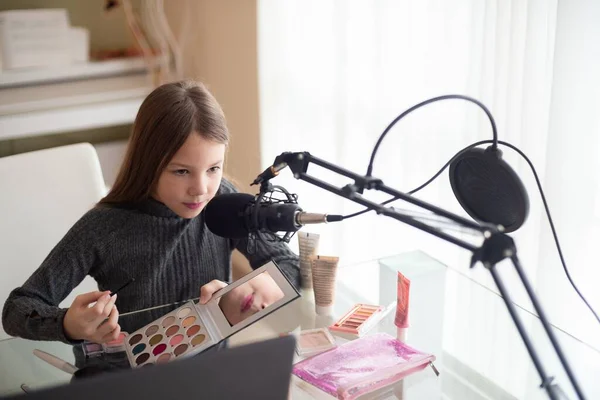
(357, 320)
(134, 339)
(179, 350)
(175, 340)
(142, 359)
(168, 321)
(152, 330)
(313, 339)
(159, 349)
(163, 358)
(362, 314)
(369, 309)
(193, 330)
(184, 312)
(93, 346)
(155, 339)
(138, 349)
(188, 321)
(198, 339)
(172, 330)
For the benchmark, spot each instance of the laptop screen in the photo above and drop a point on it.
(260, 370)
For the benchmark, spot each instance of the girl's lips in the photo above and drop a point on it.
(192, 206)
(247, 303)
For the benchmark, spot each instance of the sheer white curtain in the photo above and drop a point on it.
(333, 74)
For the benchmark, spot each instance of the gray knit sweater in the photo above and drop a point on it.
(169, 257)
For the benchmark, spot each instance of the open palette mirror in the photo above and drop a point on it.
(193, 327)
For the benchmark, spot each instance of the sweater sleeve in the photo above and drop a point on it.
(31, 311)
(261, 251)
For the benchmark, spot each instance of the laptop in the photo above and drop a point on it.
(256, 371)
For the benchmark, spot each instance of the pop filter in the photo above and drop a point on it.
(488, 189)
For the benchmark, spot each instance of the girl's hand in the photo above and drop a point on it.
(209, 289)
(97, 323)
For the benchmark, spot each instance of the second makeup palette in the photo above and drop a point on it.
(358, 320)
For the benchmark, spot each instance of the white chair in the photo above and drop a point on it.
(42, 194)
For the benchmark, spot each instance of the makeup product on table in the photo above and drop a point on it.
(314, 341)
(91, 349)
(116, 345)
(308, 246)
(359, 320)
(401, 320)
(55, 361)
(362, 366)
(193, 327)
(324, 271)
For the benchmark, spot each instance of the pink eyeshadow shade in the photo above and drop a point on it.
(175, 340)
(118, 340)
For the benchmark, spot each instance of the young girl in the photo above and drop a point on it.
(150, 227)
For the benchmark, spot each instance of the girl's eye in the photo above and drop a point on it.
(182, 172)
(214, 169)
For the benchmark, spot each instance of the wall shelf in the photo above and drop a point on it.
(70, 106)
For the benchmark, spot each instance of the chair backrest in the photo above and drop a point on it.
(42, 194)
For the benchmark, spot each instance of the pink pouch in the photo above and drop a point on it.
(361, 366)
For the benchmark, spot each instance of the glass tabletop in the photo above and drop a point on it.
(479, 353)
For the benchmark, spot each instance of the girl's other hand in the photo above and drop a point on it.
(209, 289)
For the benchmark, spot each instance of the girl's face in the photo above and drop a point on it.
(250, 297)
(192, 177)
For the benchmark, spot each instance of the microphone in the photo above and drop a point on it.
(231, 215)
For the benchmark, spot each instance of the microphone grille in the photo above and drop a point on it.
(225, 215)
(488, 189)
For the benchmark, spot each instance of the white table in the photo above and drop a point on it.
(371, 282)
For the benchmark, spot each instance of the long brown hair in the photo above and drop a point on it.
(163, 123)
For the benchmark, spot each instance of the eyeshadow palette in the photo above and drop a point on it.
(359, 320)
(314, 341)
(175, 334)
(193, 327)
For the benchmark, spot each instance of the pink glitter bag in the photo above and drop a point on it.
(361, 366)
